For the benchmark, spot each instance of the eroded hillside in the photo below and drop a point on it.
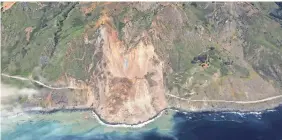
(129, 61)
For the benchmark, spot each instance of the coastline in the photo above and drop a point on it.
(91, 129)
(176, 104)
(143, 124)
(102, 122)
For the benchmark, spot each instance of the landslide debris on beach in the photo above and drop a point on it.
(125, 91)
(129, 61)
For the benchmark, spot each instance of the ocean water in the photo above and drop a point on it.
(175, 125)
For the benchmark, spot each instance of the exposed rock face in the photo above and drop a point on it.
(127, 96)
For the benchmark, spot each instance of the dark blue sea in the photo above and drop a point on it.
(265, 125)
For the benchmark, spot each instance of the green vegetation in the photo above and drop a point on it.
(22, 55)
(53, 29)
(264, 47)
(119, 26)
(43, 104)
(241, 71)
(56, 45)
(22, 99)
(224, 71)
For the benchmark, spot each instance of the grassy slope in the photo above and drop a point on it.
(54, 26)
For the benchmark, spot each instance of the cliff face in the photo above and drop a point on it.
(131, 82)
(129, 61)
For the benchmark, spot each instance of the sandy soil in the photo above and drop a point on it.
(28, 30)
(7, 5)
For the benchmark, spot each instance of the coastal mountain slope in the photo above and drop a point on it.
(129, 61)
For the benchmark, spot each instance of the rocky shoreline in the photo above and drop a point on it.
(103, 122)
